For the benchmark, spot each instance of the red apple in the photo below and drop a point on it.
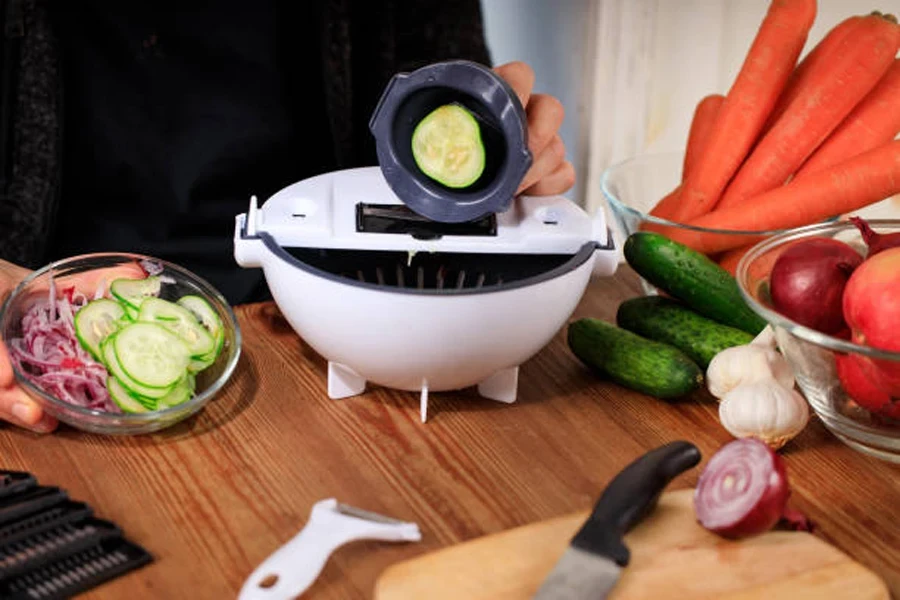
(871, 305)
(854, 372)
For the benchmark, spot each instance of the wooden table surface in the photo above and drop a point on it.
(213, 497)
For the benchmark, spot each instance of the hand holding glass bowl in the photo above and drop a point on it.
(816, 358)
(82, 278)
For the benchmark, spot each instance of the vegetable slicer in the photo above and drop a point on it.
(402, 282)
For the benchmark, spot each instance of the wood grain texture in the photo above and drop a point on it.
(672, 558)
(214, 496)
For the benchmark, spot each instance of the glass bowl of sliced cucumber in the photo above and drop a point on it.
(118, 343)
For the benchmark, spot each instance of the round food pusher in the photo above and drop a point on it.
(498, 117)
(368, 277)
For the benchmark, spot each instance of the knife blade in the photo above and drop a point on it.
(593, 562)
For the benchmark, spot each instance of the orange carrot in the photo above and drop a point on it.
(698, 135)
(831, 90)
(768, 65)
(857, 182)
(874, 121)
(665, 208)
(811, 63)
(701, 127)
(729, 259)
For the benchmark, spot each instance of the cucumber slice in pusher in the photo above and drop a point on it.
(447, 146)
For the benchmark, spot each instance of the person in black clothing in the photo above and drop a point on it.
(145, 126)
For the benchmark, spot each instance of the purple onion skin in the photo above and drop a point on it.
(767, 511)
(808, 280)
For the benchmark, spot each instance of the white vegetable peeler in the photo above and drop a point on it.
(291, 569)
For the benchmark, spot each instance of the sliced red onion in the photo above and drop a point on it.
(151, 267)
(50, 356)
(743, 490)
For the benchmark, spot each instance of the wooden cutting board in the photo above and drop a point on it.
(672, 557)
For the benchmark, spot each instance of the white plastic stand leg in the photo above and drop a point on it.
(501, 386)
(343, 382)
(423, 402)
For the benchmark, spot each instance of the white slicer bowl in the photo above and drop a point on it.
(536, 260)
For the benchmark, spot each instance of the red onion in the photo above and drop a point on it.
(50, 356)
(875, 241)
(743, 490)
(807, 282)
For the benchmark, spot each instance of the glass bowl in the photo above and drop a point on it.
(814, 356)
(87, 274)
(634, 186)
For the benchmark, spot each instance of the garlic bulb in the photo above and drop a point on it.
(766, 338)
(746, 364)
(765, 410)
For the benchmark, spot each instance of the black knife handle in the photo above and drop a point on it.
(631, 496)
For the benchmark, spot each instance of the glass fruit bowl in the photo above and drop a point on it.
(634, 186)
(834, 374)
(42, 307)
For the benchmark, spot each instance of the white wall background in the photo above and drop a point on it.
(630, 72)
(549, 35)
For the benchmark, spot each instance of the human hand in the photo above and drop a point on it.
(550, 172)
(15, 405)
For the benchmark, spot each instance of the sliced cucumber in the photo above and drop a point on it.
(204, 312)
(151, 354)
(124, 399)
(95, 321)
(134, 291)
(447, 146)
(180, 394)
(180, 321)
(115, 369)
(199, 364)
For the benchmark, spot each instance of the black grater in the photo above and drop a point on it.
(15, 482)
(67, 511)
(77, 572)
(52, 546)
(29, 502)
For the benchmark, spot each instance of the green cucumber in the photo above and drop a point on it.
(180, 394)
(115, 369)
(180, 321)
(199, 364)
(692, 278)
(668, 321)
(448, 148)
(209, 318)
(635, 362)
(150, 354)
(133, 291)
(123, 399)
(204, 312)
(95, 321)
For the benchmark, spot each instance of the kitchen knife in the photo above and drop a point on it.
(594, 559)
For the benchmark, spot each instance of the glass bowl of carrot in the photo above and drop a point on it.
(852, 384)
(635, 187)
(119, 343)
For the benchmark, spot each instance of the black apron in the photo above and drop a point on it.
(176, 113)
